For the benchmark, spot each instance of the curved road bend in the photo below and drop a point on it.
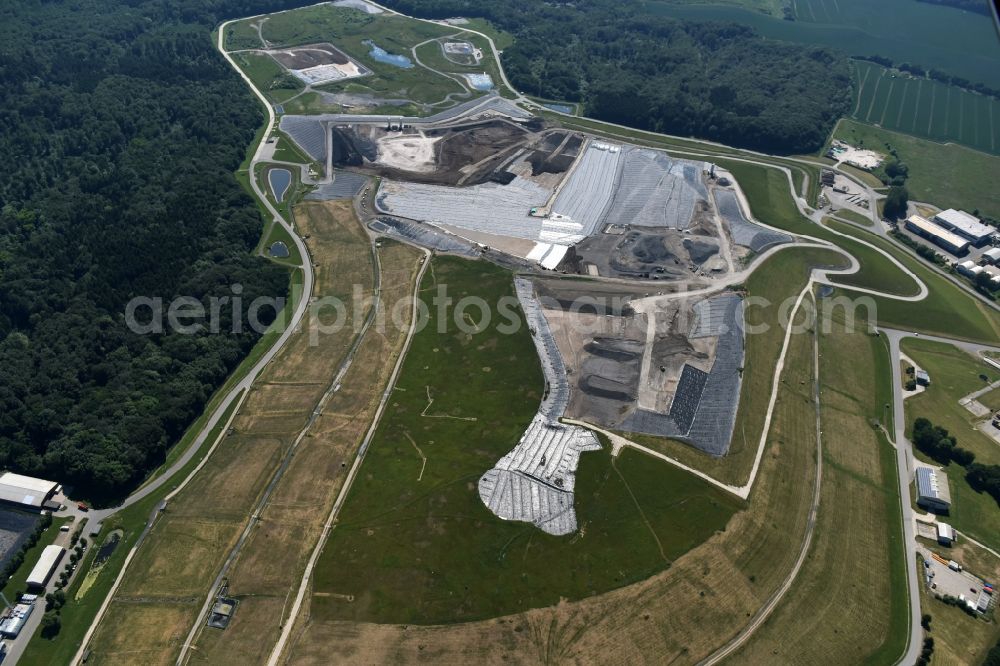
(242, 386)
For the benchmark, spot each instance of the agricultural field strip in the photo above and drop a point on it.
(936, 111)
(241, 388)
(300, 594)
(276, 477)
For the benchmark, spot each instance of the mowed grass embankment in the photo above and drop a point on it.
(877, 271)
(778, 283)
(680, 614)
(273, 559)
(348, 29)
(954, 374)
(946, 175)
(947, 310)
(848, 604)
(173, 571)
(414, 542)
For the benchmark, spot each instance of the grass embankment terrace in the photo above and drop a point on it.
(954, 374)
(948, 309)
(186, 547)
(414, 542)
(877, 271)
(849, 602)
(272, 561)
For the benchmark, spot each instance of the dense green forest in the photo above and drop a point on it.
(121, 128)
(717, 81)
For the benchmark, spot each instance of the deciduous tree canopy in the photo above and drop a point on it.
(717, 81)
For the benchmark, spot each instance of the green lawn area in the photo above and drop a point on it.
(852, 216)
(948, 309)
(947, 175)
(877, 272)
(415, 549)
(348, 29)
(269, 77)
(955, 374)
(770, 198)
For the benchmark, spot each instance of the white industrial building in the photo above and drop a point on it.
(40, 574)
(992, 255)
(938, 235)
(945, 534)
(965, 225)
(933, 492)
(26, 491)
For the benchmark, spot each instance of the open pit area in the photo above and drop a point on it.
(672, 369)
(318, 63)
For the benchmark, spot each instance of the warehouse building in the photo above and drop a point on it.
(965, 225)
(27, 491)
(46, 564)
(992, 255)
(933, 493)
(941, 237)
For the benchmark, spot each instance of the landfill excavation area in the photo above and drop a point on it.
(648, 337)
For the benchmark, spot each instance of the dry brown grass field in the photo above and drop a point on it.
(663, 619)
(166, 584)
(266, 575)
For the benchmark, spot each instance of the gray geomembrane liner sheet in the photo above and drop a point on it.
(745, 232)
(423, 235)
(656, 190)
(343, 186)
(711, 428)
(489, 207)
(587, 193)
(534, 482)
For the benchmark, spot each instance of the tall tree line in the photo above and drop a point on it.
(120, 130)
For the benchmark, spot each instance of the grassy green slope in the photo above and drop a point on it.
(413, 548)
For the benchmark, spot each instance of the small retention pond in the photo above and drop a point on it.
(279, 179)
(380, 54)
(278, 250)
